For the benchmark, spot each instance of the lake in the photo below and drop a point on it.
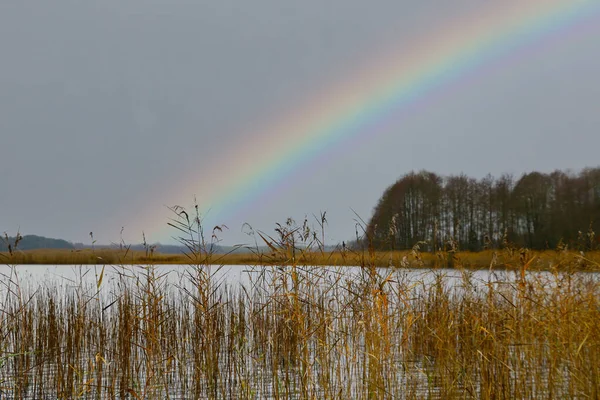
(307, 332)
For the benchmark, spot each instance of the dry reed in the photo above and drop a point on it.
(296, 331)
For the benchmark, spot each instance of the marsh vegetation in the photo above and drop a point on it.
(297, 331)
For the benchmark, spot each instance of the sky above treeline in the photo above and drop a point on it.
(112, 111)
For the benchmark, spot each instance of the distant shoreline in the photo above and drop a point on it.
(503, 259)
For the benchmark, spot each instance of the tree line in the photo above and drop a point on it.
(538, 211)
(31, 242)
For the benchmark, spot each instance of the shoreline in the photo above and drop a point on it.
(505, 259)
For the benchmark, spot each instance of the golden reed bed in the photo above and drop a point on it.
(498, 259)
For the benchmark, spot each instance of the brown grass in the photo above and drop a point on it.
(305, 332)
(504, 259)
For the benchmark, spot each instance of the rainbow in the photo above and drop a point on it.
(261, 161)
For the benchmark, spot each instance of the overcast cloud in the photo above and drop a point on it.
(104, 102)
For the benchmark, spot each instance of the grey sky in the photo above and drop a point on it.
(103, 103)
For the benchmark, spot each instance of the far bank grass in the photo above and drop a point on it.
(496, 259)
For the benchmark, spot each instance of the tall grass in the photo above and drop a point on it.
(301, 332)
(499, 259)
